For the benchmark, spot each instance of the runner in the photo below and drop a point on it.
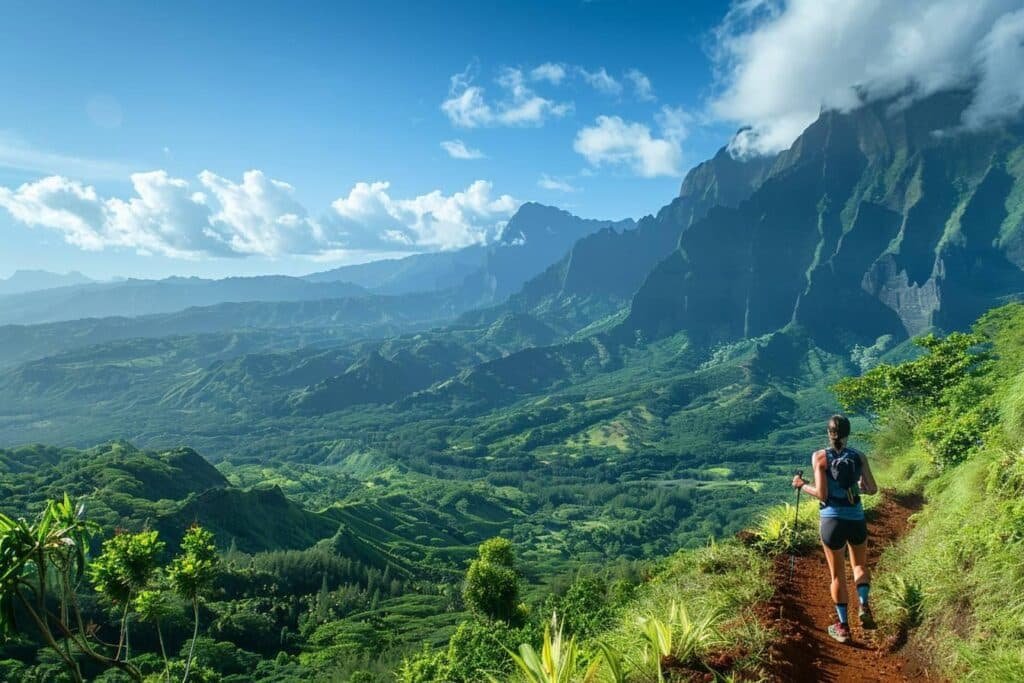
(841, 474)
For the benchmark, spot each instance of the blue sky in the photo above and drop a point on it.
(277, 137)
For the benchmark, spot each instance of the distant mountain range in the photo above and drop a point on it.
(145, 297)
(878, 224)
(534, 238)
(32, 280)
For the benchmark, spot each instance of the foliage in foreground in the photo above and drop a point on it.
(43, 563)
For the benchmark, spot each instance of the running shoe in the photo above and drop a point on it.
(839, 632)
(867, 620)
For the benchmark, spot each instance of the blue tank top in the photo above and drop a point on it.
(835, 508)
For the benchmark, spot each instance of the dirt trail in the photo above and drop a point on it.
(801, 610)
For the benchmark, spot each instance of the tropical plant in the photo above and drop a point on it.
(680, 640)
(48, 558)
(153, 605)
(192, 573)
(557, 661)
(124, 568)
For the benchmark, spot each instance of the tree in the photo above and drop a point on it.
(192, 574)
(152, 605)
(126, 566)
(48, 558)
(492, 581)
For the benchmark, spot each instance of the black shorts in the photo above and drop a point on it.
(836, 533)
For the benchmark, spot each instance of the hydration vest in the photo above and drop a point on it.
(843, 470)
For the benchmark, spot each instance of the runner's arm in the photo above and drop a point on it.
(867, 479)
(820, 480)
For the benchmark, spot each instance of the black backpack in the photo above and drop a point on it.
(845, 469)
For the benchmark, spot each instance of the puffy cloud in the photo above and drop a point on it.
(166, 216)
(557, 184)
(601, 81)
(432, 220)
(617, 142)
(641, 85)
(61, 204)
(467, 106)
(457, 150)
(779, 63)
(260, 216)
(553, 73)
(257, 216)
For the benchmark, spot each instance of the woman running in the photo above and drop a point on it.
(841, 474)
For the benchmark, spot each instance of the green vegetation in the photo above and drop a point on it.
(949, 427)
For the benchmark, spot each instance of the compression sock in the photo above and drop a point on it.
(841, 611)
(862, 592)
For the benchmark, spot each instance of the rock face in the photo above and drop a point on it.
(884, 220)
(601, 271)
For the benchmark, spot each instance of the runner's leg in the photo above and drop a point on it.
(837, 569)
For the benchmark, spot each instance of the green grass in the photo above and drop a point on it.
(955, 581)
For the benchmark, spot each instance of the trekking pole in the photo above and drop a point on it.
(792, 532)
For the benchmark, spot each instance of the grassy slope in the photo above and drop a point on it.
(954, 583)
(957, 579)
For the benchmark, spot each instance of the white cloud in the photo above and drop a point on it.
(641, 85)
(614, 141)
(601, 81)
(257, 216)
(1000, 57)
(557, 184)
(167, 216)
(779, 63)
(674, 123)
(457, 150)
(431, 221)
(467, 106)
(553, 73)
(260, 216)
(61, 204)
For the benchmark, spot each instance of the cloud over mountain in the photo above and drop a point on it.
(257, 216)
(779, 63)
(614, 141)
(432, 221)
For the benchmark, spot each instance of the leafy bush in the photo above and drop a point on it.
(425, 666)
(775, 532)
(478, 648)
(492, 581)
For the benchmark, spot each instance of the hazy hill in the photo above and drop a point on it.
(142, 297)
(416, 273)
(32, 280)
(285, 323)
(535, 237)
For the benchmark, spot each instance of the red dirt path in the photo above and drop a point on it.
(801, 610)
